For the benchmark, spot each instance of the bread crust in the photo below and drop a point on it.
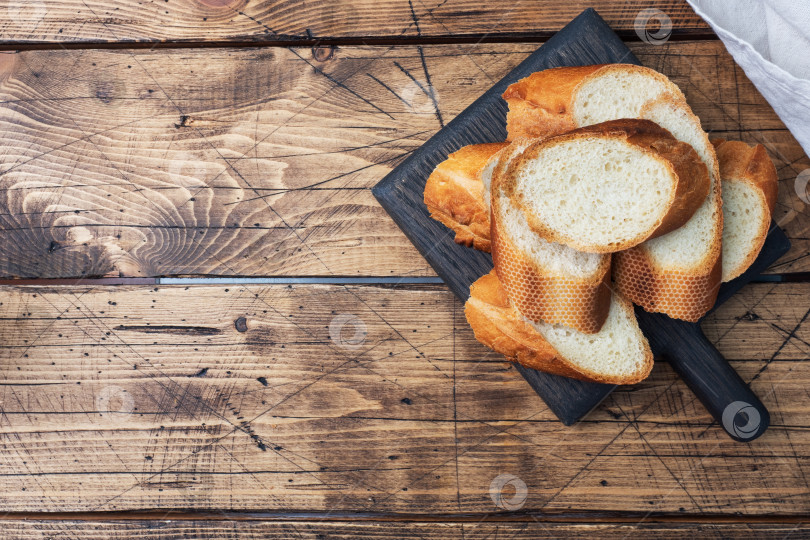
(542, 104)
(578, 303)
(536, 292)
(499, 161)
(680, 294)
(685, 293)
(687, 171)
(454, 194)
(498, 325)
(740, 162)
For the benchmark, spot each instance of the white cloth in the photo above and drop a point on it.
(770, 40)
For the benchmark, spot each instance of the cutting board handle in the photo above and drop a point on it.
(721, 390)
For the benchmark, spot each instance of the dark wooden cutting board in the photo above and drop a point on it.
(585, 40)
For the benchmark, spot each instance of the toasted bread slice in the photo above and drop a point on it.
(607, 187)
(750, 186)
(618, 354)
(454, 194)
(545, 281)
(558, 100)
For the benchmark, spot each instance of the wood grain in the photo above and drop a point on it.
(371, 399)
(259, 161)
(265, 21)
(171, 529)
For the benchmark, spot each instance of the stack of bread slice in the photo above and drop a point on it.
(606, 173)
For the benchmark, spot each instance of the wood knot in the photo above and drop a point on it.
(109, 91)
(104, 95)
(185, 121)
(240, 324)
(322, 54)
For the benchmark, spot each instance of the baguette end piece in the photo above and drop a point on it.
(454, 194)
(540, 104)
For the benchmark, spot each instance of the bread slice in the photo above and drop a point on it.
(558, 100)
(750, 186)
(678, 273)
(607, 187)
(545, 281)
(454, 194)
(617, 354)
(499, 161)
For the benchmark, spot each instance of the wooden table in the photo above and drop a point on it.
(233, 139)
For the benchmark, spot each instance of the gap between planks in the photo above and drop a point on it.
(501, 517)
(464, 39)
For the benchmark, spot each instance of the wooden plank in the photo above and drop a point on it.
(170, 529)
(119, 21)
(338, 398)
(259, 161)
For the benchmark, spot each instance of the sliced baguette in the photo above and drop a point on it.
(618, 354)
(607, 187)
(750, 186)
(558, 100)
(678, 273)
(545, 281)
(454, 194)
